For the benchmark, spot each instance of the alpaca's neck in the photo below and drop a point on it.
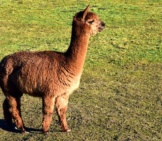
(77, 50)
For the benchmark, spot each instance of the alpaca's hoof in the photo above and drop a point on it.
(22, 130)
(16, 128)
(25, 132)
(68, 130)
(45, 132)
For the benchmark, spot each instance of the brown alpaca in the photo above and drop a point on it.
(50, 75)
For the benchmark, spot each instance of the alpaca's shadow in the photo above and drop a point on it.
(3, 126)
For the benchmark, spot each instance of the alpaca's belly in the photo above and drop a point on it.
(38, 86)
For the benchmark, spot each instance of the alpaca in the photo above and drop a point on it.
(50, 75)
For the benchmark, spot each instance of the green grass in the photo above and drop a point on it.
(120, 95)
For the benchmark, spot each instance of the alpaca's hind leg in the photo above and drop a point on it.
(7, 114)
(14, 110)
(48, 108)
(61, 108)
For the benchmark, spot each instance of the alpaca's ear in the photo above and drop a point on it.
(85, 12)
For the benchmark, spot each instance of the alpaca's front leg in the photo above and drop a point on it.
(48, 107)
(61, 108)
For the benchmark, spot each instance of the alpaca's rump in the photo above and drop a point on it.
(31, 73)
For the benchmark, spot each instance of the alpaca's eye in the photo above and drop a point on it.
(90, 22)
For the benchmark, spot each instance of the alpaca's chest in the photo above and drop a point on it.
(73, 85)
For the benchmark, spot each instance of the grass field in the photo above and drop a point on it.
(120, 95)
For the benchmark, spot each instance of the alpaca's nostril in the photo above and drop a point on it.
(103, 24)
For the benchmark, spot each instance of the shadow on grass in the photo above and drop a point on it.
(4, 127)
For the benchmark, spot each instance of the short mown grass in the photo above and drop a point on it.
(120, 95)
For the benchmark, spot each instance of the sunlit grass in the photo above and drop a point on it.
(120, 92)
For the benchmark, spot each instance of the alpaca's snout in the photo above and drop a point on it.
(102, 26)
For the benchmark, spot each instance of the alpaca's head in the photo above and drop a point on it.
(88, 21)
